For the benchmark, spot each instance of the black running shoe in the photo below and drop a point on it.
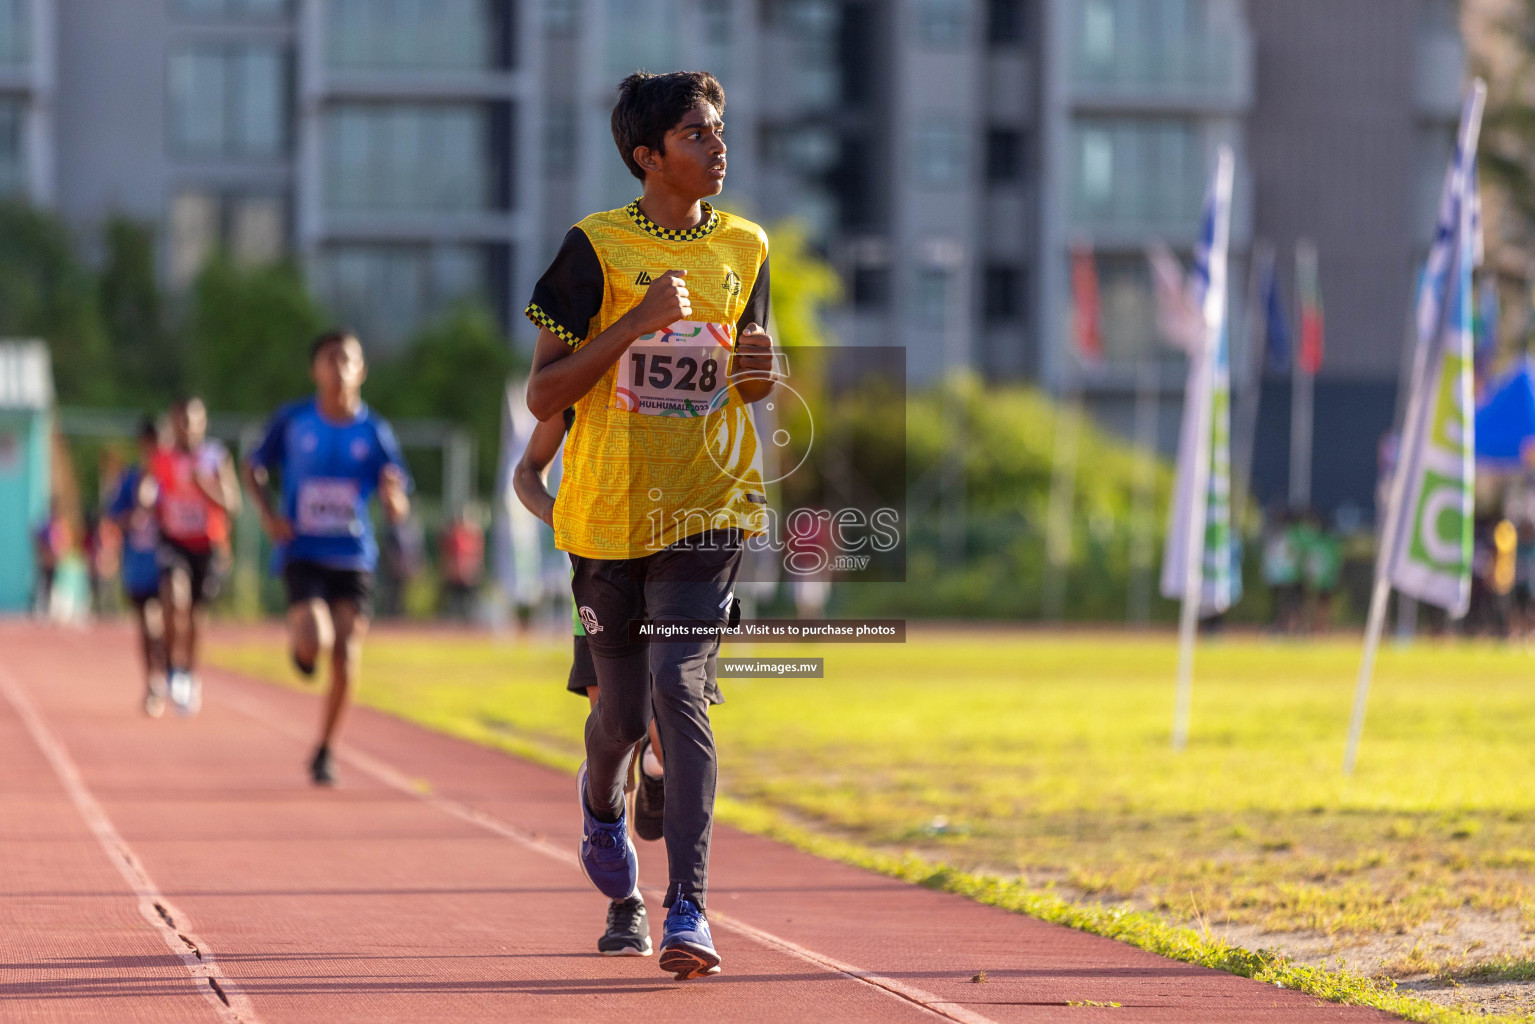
(628, 931)
(649, 801)
(304, 668)
(321, 769)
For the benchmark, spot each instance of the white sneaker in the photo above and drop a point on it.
(185, 693)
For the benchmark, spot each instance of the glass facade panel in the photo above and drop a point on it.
(1137, 172)
(1178, 46)
(940, 153)
(246, 10)
(389, 290)
(404, 157)
(229, 101)
(15, 32)
(436, 35)
(13, 172)
(941, 23)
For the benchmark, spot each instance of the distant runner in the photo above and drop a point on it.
(331, 453)
(194, 492)
(140, 567)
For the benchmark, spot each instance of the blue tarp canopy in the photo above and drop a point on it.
(1505, 420)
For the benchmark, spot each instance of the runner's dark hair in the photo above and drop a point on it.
(334, 336)
(649, 106)
(148, 429)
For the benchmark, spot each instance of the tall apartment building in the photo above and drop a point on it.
(382, 141)
(946, 155)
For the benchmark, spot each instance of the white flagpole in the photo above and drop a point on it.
(1199, 485)
(1302, 394)
(1417, 408)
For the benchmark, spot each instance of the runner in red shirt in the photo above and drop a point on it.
(194, 491)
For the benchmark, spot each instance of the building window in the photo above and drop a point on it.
(562, 17)
(13, 176)
(716, 21)
(437, 35)
(941, 23)
(560, 140)
(1004, 22)
(390, 290)
(871, 287)
(15, 32)
(1002, 293)
(253, 229)
(940, 154)
(229, 102)
(1143, 172)
(246, 10)
(931, 297)
(1004, 155)
(1098, 32)
(416, 157)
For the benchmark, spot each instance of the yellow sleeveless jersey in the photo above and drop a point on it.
(661, 447)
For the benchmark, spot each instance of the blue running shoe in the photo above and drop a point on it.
(606, 853)
(687, 949)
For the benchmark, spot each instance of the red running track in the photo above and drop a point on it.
(184, 870)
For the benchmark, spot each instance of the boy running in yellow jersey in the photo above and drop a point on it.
(628, 928)
(650, 325)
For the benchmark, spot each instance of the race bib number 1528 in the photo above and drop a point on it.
(681, 371)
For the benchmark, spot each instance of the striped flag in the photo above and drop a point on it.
(1427, 548)
(1311, 323)
(1277, 348)
(1087, 314)
(1207, 403)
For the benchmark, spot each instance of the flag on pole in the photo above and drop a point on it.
(1425, 548)
(1207, 405)
(1086, 313)
(1311, 326)
(1179, 318)
(1277, 351)
(1428, 554)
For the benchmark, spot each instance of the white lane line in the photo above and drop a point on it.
(228, 1002)
(917, 998)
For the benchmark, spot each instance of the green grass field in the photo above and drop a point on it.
(1045, 762)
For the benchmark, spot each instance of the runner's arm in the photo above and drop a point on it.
(256, 478)
(224, 489)
(392, 493)
(561, 376)
(530, 477)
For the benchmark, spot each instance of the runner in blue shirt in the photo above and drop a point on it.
(331, 453)
(140, 568)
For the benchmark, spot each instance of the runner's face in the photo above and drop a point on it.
(195, 418)
(340, 369)
(694, 161)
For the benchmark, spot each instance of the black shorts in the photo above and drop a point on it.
(583, 674)
(205, 569)
(309, 581)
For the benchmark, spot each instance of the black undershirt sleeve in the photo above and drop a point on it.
(756, 309)
(570, 293)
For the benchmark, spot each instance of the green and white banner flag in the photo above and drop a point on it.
(1429, 550)
(1209, 385)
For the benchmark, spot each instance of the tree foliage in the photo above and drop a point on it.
(47, 293)
(145, 355)
(247, 335)
(454, 369)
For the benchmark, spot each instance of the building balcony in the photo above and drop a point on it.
(1160, 55)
